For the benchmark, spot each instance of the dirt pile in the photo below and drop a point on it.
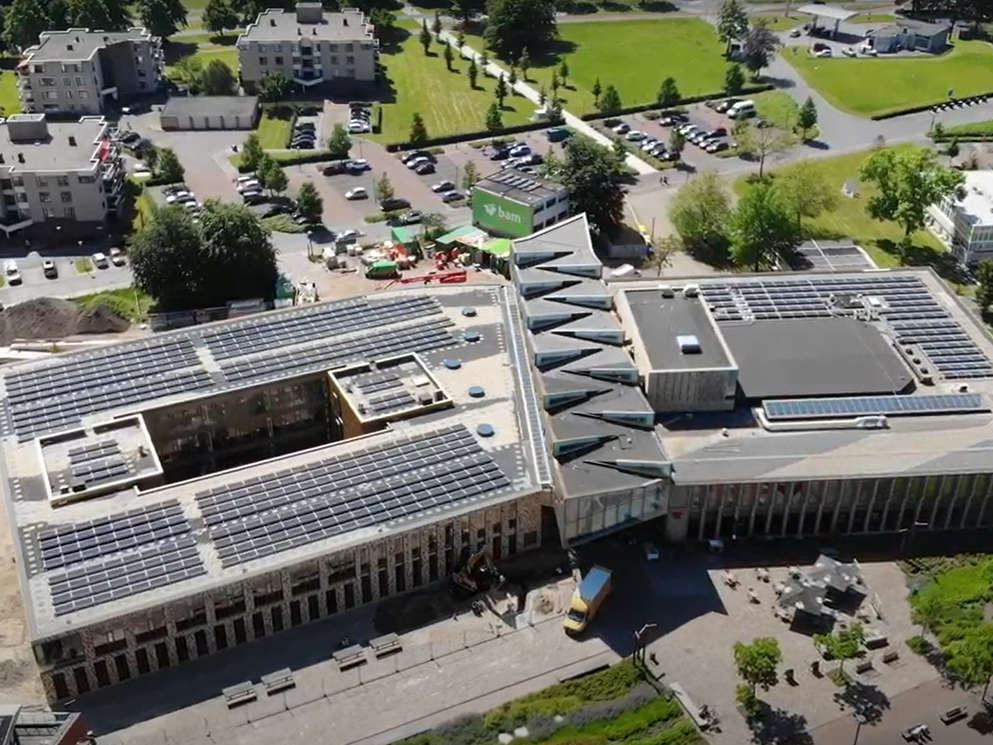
(53, 318)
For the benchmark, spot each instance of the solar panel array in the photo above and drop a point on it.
(292, 508)
(906, 305)
(833, 256)
(102, 461)
(265, 334)
(67, 545)
(837, 408)
(424, 337)
(95, 451)
(126, 574)
(375, 382)
(58, 395)
(387, 403)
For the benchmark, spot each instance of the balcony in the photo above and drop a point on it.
(109, 91)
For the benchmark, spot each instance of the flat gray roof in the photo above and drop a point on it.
(526, 188)
(79, 43)
(782, 358)
(661, 321)
(348, 25)
(833, 12)
(274, 514)
(229, 106)
(56, 152)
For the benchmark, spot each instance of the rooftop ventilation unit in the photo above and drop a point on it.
(666, 291)
(688, 344)
(691, 291)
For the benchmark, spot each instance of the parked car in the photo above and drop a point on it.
(415, 162)
(519, 151)
(100, 260)
(49, 269)
(411, 218)
(413, 154)
(275, 209)
(358, 164)
(558, 134)
(176, 196)
(358, 128)
(393, 204)
(622, 128)
(795, 33)
(117, 257)
(252, 183)
(333, 169)
(718, 147)
(672, 119)
(452, 196)
(349, 235)
(534, 159)
(11, 273)
(357, 193)
(425, 169)
(500, 154)
(635, 136)
(443, 187)
(726, 104)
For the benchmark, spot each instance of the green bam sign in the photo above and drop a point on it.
(500, 215)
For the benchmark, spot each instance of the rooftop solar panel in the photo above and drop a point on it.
(838, 408)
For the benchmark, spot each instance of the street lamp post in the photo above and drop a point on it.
(859, 721)
(639, 643)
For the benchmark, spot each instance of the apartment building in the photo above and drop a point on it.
(310, 46)
(964, 222)
(88, 72)
(59, 174)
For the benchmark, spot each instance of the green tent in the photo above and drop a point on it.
(498, 248)
(404, 235)
(469, 233)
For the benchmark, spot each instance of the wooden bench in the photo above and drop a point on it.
(238, 695)
(383, 646)
(689, 705)
(863, 667)
(350, 657)
(281, 680)
(954, 715)
(890, 657)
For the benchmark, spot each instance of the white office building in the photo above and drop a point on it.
(966, 225)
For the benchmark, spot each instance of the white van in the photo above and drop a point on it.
(742, 110)
(11, 273)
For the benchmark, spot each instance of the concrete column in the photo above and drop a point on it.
(986, 499)
(920, 499)
(942, 480)
(720, 512)
(872, 503)
(886, 504)
(807, 488)
(703, 510)
(771, 506)
(755, 506)
(786, 508)
(822, 491)
(843, 488)
(968, 505)
(953, 501)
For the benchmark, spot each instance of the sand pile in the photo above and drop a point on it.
(52, 318)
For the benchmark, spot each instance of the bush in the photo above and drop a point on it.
(395, 147)
(747, 90)
(465, 730)
(919, 645)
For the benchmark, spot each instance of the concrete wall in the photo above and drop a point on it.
(691, 390)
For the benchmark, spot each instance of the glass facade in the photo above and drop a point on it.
(587, 517)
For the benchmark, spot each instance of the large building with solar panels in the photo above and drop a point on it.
(208, 487)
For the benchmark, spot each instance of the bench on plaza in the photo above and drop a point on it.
(695, 711)
(954, 715)
(350, 657)
(383, 646)
(890, 657)
(863, 667)
(281, 680)
(238, 695)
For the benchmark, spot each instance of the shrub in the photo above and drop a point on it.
(599, 710)
(919, 645)
(746, 698)
(465, 730)
(516, 713)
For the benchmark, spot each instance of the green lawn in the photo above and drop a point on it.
(421, 84)
(870, 86)
(201, 48)
(777, 108)
(779, 22)
(130, 302)
(849, 219)
(274, 130)
(634, 57)
(972, 129)
(10, 97)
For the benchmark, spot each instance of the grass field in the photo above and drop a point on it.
(274, 130)
(870, 86)
(849, 219)
(10, 99)
(421, 84)
(634, 57)
(130, 302)
(203, 47)
(778, 22)
(972, 129)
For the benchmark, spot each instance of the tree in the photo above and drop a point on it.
(251, 152)
(219, 15)
(620, 150)
(596, 90)
(971, 657)
(984, 279)
(434, 223)
(472, 73)
(732, 23)
(484, 63)
(309, 202)
(908, 182)
(383, 22)
(564, 73)
(470, 175)
(339, 144)
(460, 40)
(425, 37)
(677, 141)
(436, 24)
(762, 142)
(928, 607)
(168, 168)
(467, 10)
(494, 117)
(512, 79)
(804, 190)
(756, 663)
(553, 110)
(500, 92)
(383, 188)
(759, 47)
(275, 86)
(595, 180)
(418, 130)
(512, 26)
(734, 80)
(448, 55)
(162, 17)
(524, 62)
(806, 118)
(700, 213)
(844, 644)
(662, 250)
(668, 94)
(271, 175)
(106, 15)
(217, 79)
(228, 256)
(23, 23)
(610, 101)
(542, 96)
(761, 227)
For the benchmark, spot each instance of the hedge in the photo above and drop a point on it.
(309, 156)
(925, 107)
(396, 147)
(746, 91)
(962, 137)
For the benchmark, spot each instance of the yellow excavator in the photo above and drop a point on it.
(477, 575)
